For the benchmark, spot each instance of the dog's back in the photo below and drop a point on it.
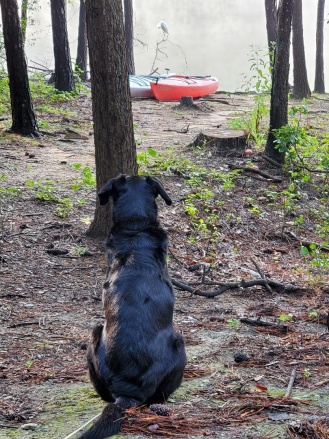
(137, 357)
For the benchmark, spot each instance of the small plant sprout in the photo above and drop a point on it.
(29, 363)
(306, 373)
(285, 317)
(233, 323)
(143, 159)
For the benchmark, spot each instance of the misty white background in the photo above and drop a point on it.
(208, 37)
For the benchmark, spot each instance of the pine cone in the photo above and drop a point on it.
(160, 409)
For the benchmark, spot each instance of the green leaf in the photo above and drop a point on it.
(304, 251)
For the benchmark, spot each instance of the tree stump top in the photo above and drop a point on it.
(225, 142)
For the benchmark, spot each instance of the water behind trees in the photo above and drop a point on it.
(213, 37)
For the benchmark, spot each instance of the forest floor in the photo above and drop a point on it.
(223, 227)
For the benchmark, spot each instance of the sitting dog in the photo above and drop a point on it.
(136, 357)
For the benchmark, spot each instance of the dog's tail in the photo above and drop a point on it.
(109, 422)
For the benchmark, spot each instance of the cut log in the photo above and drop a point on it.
(226, 143)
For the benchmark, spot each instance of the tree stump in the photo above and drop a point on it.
(186, 100)
(226, 143)
(186, 103)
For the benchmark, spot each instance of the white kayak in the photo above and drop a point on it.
(140, 86)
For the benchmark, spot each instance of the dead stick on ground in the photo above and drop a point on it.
(259, 322)
(291, 382)
(224, 286)
(82, 426)
(262, 275)
(257, 171)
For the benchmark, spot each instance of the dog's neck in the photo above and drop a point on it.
(135, 223)
(137, 235)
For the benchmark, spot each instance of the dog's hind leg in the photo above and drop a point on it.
(173, 379)
(168, 385)
(96, 363)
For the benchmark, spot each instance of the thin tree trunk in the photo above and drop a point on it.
(271, 21)
(63, 67)
(319, 86)
(301, 88)
(82, 50)
(280, 74)
(23, 117)
(129, 35)
(25, 4)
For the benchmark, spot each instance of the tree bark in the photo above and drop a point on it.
(319, 86)
(271, 22)
(82, 50)
(63, 77)
(129, 35)
(280, 74)
(23, 116)
(301, 88)
(115, 148)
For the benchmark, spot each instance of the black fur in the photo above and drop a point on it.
(136, 357)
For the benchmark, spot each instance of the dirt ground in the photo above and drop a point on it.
(52, 273)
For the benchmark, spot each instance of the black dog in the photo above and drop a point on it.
(136, 357)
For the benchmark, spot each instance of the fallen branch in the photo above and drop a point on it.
(13, 295)
(182, 131)
(257, 171)
(224, 286)
(16, 325)
(273, 162)
(291, 382)
(258, 322)
(262, 275)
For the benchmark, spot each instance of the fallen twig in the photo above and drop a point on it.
(258, 322)
(16, 325)
(291, 382)
(262, 275)
(233, 285)
(182, 131)
(273, 162)
(257, 171)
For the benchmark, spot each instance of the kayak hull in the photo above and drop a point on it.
(175, 87)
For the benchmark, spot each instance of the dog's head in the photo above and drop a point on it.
(133, 196)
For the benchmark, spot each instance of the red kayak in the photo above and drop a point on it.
(176, 86)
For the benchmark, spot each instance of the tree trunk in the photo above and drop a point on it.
(24, 119)
(63, 77)
(129, 35)
(25, 4)
(301, 88)
(319, 69)
(81, 61)
(115, 148)
(271, 22)
(280, 74)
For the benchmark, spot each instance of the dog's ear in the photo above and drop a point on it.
(158, 189)
(111, 189)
